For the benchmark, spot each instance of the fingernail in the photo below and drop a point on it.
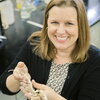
(33, 80)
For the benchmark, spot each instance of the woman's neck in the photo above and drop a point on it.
(63, 57)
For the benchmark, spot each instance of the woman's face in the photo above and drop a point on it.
(63, 27)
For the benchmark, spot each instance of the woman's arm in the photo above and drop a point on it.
(8, 84)
(13, 81)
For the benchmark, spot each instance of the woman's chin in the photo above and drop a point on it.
(60, 48)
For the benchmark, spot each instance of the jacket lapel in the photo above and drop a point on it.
(75, 73)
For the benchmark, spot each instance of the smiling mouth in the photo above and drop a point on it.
(61, 39)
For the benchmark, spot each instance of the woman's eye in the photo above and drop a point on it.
(54, 22)
(69, 23)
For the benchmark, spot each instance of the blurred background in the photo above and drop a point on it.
(20, 18)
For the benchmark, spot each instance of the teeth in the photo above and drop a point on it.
(61, 38)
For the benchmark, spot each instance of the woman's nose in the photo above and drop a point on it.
(61, 29)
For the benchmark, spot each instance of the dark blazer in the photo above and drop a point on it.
(82, 82)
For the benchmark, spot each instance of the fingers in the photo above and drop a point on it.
(28, 91)
(42, 95)
(20, 71)
(26, 85)
(29, 96)
(32, 94)
(22, 67)
(38, 85)
(17, 75)
(35, 98)
(25, 88)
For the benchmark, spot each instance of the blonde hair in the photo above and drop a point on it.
(44, 47)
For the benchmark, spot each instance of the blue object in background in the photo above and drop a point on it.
(36, 2)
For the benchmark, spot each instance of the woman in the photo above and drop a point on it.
(59, 58)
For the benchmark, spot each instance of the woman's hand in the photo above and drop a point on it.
(44, 92)
(20, 72)
(31, 93)
(49, 92)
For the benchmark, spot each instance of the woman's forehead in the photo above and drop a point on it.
(63, 12)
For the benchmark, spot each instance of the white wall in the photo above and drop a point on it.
(46, 1)
(95, 34)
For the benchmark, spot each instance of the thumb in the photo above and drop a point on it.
(20, 64)
(38, 85)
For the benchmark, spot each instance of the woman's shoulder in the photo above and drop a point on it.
(94, 53)
(31, 41)
(93, 50)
